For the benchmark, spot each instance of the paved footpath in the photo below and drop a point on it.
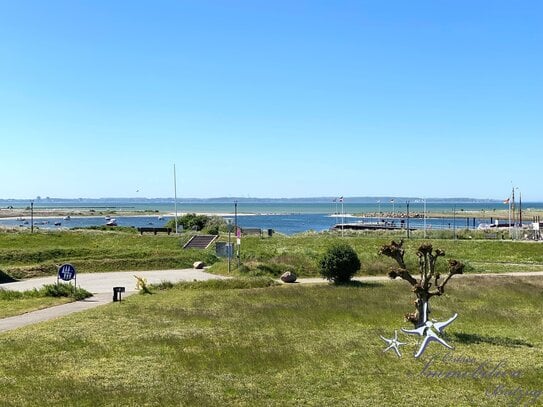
(100, 284)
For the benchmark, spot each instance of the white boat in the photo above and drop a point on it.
(111, 222)
(67, 217)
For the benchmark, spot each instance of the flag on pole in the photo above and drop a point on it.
(392, 201)
(506, 201)
(340, 199)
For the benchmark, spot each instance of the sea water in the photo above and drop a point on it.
(288, 218)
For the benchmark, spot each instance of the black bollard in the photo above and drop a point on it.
(117, 293)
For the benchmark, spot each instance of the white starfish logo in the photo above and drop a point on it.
(393, 343)
(427, 331)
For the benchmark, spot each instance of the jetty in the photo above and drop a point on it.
(372, 226)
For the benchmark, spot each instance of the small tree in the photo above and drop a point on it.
(429, 283)
(339, 264)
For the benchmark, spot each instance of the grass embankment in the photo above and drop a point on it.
(24, 255)
(300, 254)
(282, 346)
(28, 255)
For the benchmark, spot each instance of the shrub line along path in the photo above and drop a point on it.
(101, 285)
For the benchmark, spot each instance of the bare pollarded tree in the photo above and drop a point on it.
(429, 283)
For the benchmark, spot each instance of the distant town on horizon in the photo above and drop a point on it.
(324, 199)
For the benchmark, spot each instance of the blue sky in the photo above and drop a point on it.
(271, 99)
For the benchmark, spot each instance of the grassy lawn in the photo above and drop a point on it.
(211, 345)
(28, 255)
(25, 255)
(15, 303)
(301, 254)
(9, 308)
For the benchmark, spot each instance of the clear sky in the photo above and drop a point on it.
(436, 98)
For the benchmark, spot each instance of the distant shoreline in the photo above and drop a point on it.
(77, 213)
(501, 214)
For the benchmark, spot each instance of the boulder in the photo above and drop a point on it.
(198, 265)
(288, 277)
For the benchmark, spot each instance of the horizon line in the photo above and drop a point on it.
(385, 198)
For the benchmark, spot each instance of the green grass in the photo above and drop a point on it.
(301, 253)
(16, 303)
(28, 255)
(290, 345)
(10, 308)
(25, 255)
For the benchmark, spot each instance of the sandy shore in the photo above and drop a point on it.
(78, 213)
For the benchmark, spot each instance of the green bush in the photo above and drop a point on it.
(193, 222)
(64, 290)
(48, 290)
(214, 224)
(340, 263)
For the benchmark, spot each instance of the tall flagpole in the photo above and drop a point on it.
(175, 196)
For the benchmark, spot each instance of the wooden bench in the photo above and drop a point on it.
(155, 230)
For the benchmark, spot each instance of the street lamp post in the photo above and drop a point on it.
(229, 251)
(236, 228)
(31, 216)
(407, 204)
(454, 222)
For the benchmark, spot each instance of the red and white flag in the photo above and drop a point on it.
(506, 201)
(340, 199)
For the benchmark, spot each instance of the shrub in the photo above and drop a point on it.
(213, 225)
(340, 263)
(64, 290)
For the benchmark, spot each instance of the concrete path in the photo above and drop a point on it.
(104, 282)
(100, 284)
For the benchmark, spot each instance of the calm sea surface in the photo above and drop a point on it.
(287, 218)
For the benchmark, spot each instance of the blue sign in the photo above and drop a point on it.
(66, 272)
